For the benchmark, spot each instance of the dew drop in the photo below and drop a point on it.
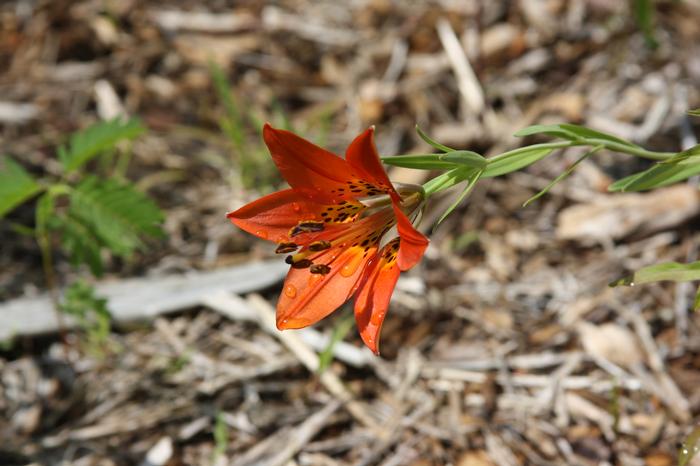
(290, 291)
(262, 234)
(351, 267)
(296, 207)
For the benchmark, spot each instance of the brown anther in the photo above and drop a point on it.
(302, 264)
(306, 227)
(284, 248)
(321, 269)
(319, 246)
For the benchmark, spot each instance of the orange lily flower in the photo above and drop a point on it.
(334, 222)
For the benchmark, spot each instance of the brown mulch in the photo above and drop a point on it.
(505, 346)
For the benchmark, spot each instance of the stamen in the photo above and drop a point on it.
(302, 264)
(321, 269)
(305, 227)
(319, 246)
(284, 248)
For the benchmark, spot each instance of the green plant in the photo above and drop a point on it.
(88, 212)
(466, 166)
(90, 313)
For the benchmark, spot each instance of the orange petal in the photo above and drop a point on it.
(372, 301)
(413, 242)
(363, 157)
(307, 298)
(313, 172)
(272, 216)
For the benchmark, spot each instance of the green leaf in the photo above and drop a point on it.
(471, 182)
(96, 139)
(690, 448)
(573, 133)
(695, 112)
(80, 242)
(432, 142)
(563, 175)
(464, 158)
(696, 301)
(672, 271)
(447, 180)
(644, 15)
(449, 160)
(117, 213)
(419, 162)
(340, 330)
(16, 185)
(514, 160)
(89, 310)
(661, 174)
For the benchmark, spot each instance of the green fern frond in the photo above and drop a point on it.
(117, 213)
(16, 185)
(80, 242)
(98, 138)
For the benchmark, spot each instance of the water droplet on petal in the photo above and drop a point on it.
(296, 207)
(351, 267)
(290, 291)
(262, 234)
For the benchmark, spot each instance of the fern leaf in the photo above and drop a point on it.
(80, 242)
(98, 138)
(16, 185)
(117, 213)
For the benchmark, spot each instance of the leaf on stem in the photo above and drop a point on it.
(672, 271)
(98, 138)
(575, 133)
(563, 175)
(514, 160)
(695, 112)
(432, 142)
(419, 162)
(678, 168)
(471, 182)
(16, 185)
(118, 214)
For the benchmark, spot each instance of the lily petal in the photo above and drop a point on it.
(413, 242)
(362, 155)
(372, 301)
(307, 298)
(313, 172)
(272, 216)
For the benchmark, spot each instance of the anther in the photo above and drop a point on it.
(306, 227)
(321, 269)
(302, 264)
(319, 246)
(284, 248)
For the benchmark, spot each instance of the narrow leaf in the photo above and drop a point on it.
(672, 271)
(339, 332)
(471, 182)
(644, 14)
(98, 138)
(514, 160)
(572, 132)
(465, 158)
(432, 142)
(661, 174)
(16, 185)
(696, 301)
(563, 175)
(419, 162)
(695, 112)
(447, 180)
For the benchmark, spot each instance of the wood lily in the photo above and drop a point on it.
(346, 228)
